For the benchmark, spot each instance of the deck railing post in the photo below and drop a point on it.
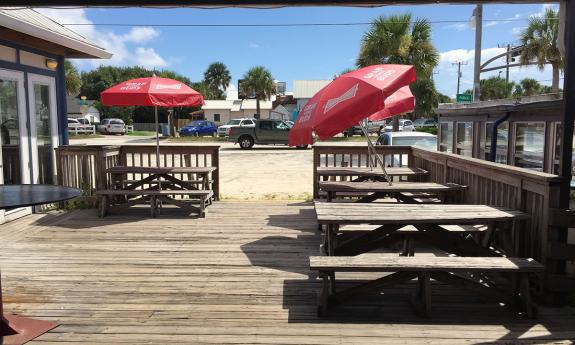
(216, 173)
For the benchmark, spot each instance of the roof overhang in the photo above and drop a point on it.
(248, 3)
(30, 35)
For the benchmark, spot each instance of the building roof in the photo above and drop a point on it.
(540, 102)
(308, 88)
(31, 23)
(236, 105)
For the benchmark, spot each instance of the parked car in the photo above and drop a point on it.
(290, 123)
(198, 128)
(112, 126)
(79, 125)
(404, 126)
(416, 139)
(244, 122)
(424, 123)
(265, 132)
(372, 127)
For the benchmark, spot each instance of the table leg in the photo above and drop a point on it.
(17, 330)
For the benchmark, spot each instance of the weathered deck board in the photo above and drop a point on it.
(240, 275)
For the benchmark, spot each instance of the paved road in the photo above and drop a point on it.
(264, 172)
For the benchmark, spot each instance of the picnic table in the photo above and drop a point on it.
(435, 224)
(156, 185)
(374, 190)
(363, 173)
(426, 218)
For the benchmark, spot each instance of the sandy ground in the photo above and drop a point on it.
(264, 172)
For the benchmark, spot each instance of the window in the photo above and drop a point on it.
(247, 123)
(407, 123)
(257, 116)
(557, 153)
(446, 135)
(502, 142)
(217, 118)
(266, 125)
(282, 126)
(529, 145)
(465, 139)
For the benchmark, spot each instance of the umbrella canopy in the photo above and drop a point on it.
(151, 91)
(348, 99)
(401, 101)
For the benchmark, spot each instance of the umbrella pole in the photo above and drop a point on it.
(158, 154)
(371, 150)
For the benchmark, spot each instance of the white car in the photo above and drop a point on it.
(404, 126)
(79, 125)
(224, 130)
(112, 126)
(425, 123)
(416, 139)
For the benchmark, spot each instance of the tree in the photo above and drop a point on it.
(217, 78)
(494, 88)
(72, 78)
(528, 87)
(441, 98)
(398, 40)
(259, 81)
(540, 44)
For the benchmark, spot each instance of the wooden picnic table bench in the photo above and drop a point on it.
(157, 185)
(424, 268)
(363, 173)
(427, 218)
(377, 190)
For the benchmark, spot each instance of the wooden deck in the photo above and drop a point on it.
(240, 275)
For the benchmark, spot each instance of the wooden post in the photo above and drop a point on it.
(315, 176)
(216, 174)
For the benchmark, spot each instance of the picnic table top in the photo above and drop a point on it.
(438, 214)
(373, 186)
(160, 170)
(365, 171)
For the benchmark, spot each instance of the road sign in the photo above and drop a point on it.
(463, 98)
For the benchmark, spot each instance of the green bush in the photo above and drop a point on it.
(432, 130)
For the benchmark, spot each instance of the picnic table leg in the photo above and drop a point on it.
(525, 290)
(153, 207)
(102, 206)
(422, 299)
(323, 298)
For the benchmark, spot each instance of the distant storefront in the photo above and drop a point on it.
(527, 131)
(32, 95)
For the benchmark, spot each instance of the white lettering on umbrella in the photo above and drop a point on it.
(172, 86)
(306, 112)
(379, 73)
(349, 94)
(133, 86)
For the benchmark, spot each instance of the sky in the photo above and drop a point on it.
(290, 53)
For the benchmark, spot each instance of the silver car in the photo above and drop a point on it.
(112, 126)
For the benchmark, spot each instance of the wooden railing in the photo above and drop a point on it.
(488, 183)
(84, 166)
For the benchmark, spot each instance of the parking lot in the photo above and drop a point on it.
(264, 172)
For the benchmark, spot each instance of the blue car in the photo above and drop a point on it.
(198, 128)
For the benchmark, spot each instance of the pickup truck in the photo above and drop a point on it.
(265, 132)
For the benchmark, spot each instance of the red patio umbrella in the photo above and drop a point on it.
(348, 99)
(152, 91)
(401, 101)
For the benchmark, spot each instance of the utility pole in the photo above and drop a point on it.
(478, 21)
(458, 63)
(507, 59)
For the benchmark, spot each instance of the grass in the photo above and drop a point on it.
(142, 133)
(354, 138)
(84, 136)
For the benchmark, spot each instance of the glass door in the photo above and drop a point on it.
(14, 158)
(44, 129)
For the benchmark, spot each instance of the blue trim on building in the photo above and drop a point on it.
(17, 46)
(25, 68)
(62, 106)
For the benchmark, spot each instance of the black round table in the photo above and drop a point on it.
(22, 195)
(16, 329)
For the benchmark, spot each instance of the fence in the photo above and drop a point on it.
(85, 129)
(487, 183)
(84, 166)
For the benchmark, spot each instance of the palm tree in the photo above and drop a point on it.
(72, 78)
(217, 78)
(540, 44)
(396, 40)
(259, 81)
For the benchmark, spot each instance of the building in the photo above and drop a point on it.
(303, 90)
(82, 109)
(221, 111)
(528, 131)
(32, 91)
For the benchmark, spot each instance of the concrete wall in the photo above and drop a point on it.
(226, 115)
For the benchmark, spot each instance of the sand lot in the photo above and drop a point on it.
(264, 172)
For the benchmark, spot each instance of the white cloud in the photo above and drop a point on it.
(120, 45)
(446, 79)
(458, 26)
(148, 58)
(254, 45)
